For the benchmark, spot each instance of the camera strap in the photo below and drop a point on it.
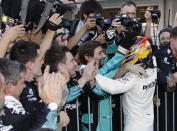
(51, 25)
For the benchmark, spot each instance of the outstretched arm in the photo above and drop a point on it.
(147, 15)
(46, 43)
(118, 86)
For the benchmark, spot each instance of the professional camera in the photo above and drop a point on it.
(10, 22)
(155, 15)
(52, 6)
(100, 22)
(60, 7)
(130, 24)
(109, 31)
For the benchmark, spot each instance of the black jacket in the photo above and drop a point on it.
(15, 115)
(31, 101)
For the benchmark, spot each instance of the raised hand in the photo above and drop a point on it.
(90, 23)
(88, 71)
(117, 24)
(56, 18)
(51, 90)
(92, 81)
(147, 14)
(101, 39)
(54, 21)
(136, 69)
(13, 33)
(87, 74)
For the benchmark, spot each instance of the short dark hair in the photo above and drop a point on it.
(173, 33)
(24, 51)
(168, 29)
(55, 55)
(87, 48)
(90, 6)
(11, 70)
(128, 3)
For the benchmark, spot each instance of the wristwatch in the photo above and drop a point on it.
(52, 106)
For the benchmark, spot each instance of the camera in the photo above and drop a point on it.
(60, 7)
(155, 15)
(5, 20)
(10, 21)
(100, 22)
(130, 24)
(52, 6)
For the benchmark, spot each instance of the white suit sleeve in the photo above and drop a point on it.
(121, 85)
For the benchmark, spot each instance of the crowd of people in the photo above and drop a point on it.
(53, 80)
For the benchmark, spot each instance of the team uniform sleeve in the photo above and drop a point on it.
(48, 119)
(111, 64)
(97, 90)
(74, 92)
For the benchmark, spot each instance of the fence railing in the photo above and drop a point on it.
(156, 125)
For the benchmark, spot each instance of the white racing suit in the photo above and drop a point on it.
(137, 98)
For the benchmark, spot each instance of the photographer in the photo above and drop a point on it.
(84, 27)
(129, 8)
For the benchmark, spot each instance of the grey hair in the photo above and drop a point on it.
(11, 70)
